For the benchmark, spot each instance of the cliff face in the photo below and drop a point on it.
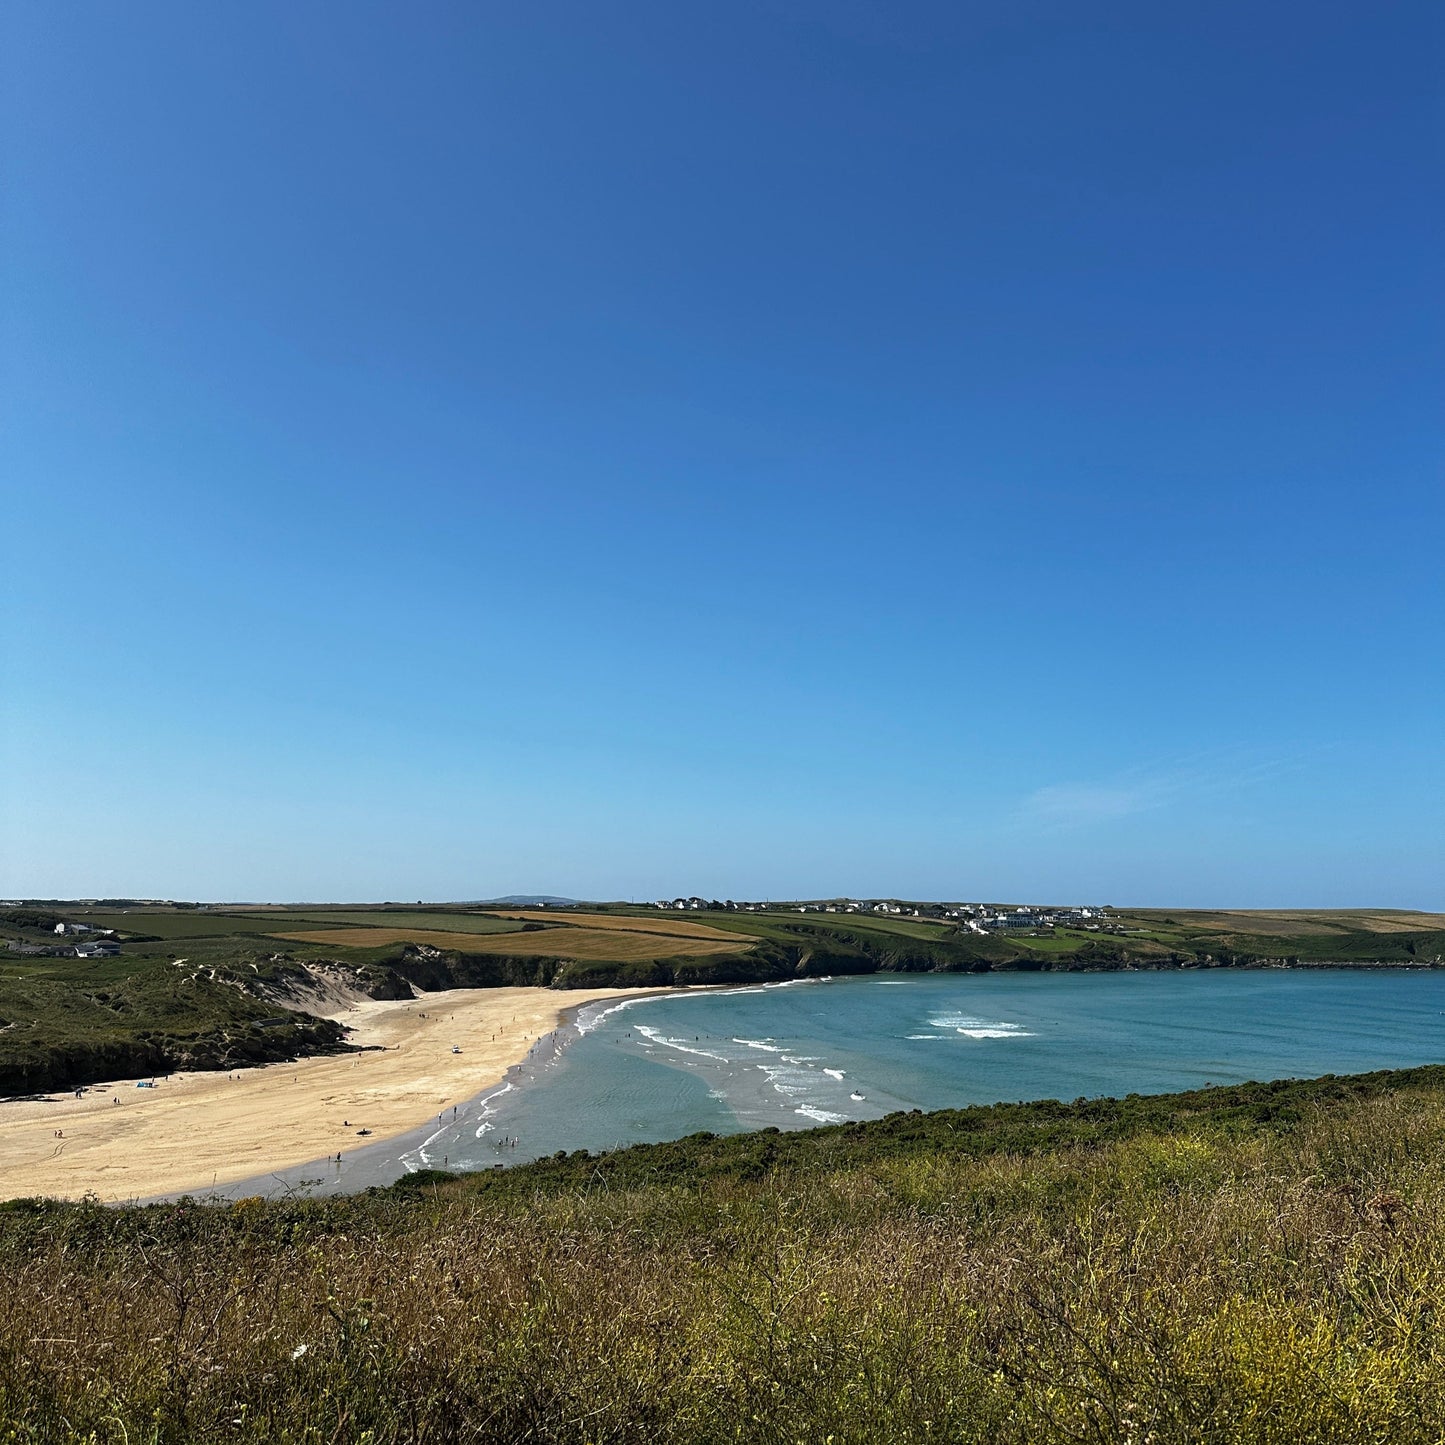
(813, 956)
(69, 1065)
(134, 1022)
(63, 1033)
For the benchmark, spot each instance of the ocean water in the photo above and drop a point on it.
(817, 1052)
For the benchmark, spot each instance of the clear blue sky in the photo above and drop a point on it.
(962, 450)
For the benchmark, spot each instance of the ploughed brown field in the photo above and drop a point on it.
(679, 928)
(600, 943)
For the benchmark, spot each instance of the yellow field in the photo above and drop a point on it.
(599, 943)
(679, 928)
(1284, 922)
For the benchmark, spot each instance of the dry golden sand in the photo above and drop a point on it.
(195, 1130)
(598, 943)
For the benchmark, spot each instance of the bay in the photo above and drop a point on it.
(801, 1054)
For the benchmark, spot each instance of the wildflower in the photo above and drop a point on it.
(299, 1351)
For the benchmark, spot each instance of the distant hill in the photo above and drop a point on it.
(528, 900)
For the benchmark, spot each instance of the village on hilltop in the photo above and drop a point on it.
(974, 917)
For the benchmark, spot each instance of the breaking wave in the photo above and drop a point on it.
(978, 1028)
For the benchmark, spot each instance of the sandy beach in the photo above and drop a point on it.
(193, 1131)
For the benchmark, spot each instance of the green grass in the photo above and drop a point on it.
(396, 918)
(78, 1022)
(204, 923)
(189, 923)
(59, 1035)
(68, 1021)
(923, 928)
(1063, 940)
(778, 921)
(1251, 1266)
(208, 923)
(871, 940)
(886, 935)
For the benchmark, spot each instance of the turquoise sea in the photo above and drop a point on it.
(800, 1054)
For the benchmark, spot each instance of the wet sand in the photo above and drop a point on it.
(200, 1130)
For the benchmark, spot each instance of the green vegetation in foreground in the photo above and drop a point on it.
(1253, 1264)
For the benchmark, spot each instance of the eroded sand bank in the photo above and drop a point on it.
(193, 1131)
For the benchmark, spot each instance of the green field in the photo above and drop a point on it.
(873, 923)
(1063, 941)
(438, 922)
(886, 932)
(208, 923)
(1257, 1265)
(202, 988)
(198, 923)
(67, 1021)
(1149, 938)
(1261, 1263)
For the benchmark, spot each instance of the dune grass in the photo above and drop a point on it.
(1187, 1273)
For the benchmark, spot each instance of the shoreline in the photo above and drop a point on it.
(212, 1131)
(383, 1162)
(277, 1128)
(386, 1163)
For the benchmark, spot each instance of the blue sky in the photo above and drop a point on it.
(936, 450)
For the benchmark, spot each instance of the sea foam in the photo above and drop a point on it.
(822, 1116)
(979, 1028)
(657, 1036)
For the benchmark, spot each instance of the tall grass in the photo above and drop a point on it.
(1258, 1286)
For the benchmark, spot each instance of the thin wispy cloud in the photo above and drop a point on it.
(1058, 806)
(1069, 804)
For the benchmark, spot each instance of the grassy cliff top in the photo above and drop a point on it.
(192, 984)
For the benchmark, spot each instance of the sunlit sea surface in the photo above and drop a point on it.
(820, 1052)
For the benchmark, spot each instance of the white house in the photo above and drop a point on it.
(105, 948)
